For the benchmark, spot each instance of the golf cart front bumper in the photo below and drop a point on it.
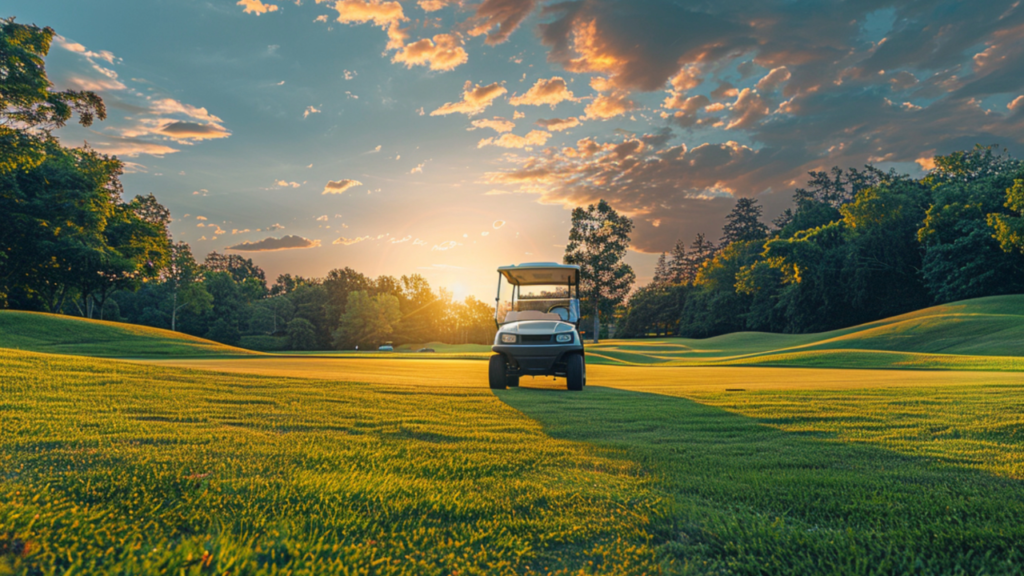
(537, 360)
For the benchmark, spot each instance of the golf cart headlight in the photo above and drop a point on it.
(508, 338)
(567, 337)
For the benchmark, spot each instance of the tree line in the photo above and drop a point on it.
(857, 246)
(71, 243)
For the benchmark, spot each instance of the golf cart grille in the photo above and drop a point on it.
(535, 338)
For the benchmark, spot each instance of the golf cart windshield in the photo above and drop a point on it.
(541, 293)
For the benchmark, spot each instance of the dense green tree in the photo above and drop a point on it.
(598, 241)
(29, 107)
(1009, 230)
(224, 331)
(678, 264)
(301, 334)
(662, 274)
(183, 279)
(744, 224)
(368, 321)
(239, 267)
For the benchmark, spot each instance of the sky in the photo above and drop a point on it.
(450, 137)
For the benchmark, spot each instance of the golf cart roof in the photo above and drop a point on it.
(532, 273)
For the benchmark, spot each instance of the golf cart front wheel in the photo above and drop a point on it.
(575, 372)
(497, 371)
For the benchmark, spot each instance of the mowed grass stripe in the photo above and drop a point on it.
(110, 467)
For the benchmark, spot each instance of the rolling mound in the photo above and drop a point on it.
(57, 334)
(979, 334)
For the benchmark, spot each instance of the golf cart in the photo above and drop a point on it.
(538, 314)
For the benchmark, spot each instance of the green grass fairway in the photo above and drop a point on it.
(980, 334)
(55, 334)
(117, 467)
(678, 458)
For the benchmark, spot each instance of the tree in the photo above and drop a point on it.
(29, 108)
(744, 224)
(368, 320)
(225, 332)
(238, 267)
(661, 271)
(1009, 230)
(598, 241)
(184, 279)
(701, 250)
(677, 266)
(301, 334)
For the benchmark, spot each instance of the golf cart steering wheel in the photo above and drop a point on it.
(562, 312)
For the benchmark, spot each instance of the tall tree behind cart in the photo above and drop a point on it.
(598, 241)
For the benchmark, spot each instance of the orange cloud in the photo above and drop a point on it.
(350, 241)
(774, 79)
(340, 186)
(748, 109)
(505, 15)
(256, 7)
(534, 138)
(382, 14)
(443, 53)
(272, 244)
(435, 5)
(559, 124)
(549, 92)
(475, 99)
(498, 124)
(606, 106)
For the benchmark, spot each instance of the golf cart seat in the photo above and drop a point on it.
(530, 315)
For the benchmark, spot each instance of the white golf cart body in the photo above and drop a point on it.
(538, 321)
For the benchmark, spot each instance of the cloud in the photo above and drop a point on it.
(499, 18)
(382, 14)
(323, 218)
(274, 227)
(605, 106)
(66, 44)
(181, 131)
(435, 5)
(443, 53)
(748, 109)
(130, 147)
(1016, 103)
(558, 124)
(497, 124)
(418, 169)
(774, 79)
(340, 186)
(445, 246)
(271, 244)
(256, 7)
(286, 184)
(498, 224)
(534, 138)
(350, 241)
(475, 99)
(549, 92)
(310, 110)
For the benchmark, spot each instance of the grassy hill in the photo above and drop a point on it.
(57, 334)
(984, 333)
(979, 334)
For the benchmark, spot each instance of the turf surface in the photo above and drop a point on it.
(55, 334)
(209, 460)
